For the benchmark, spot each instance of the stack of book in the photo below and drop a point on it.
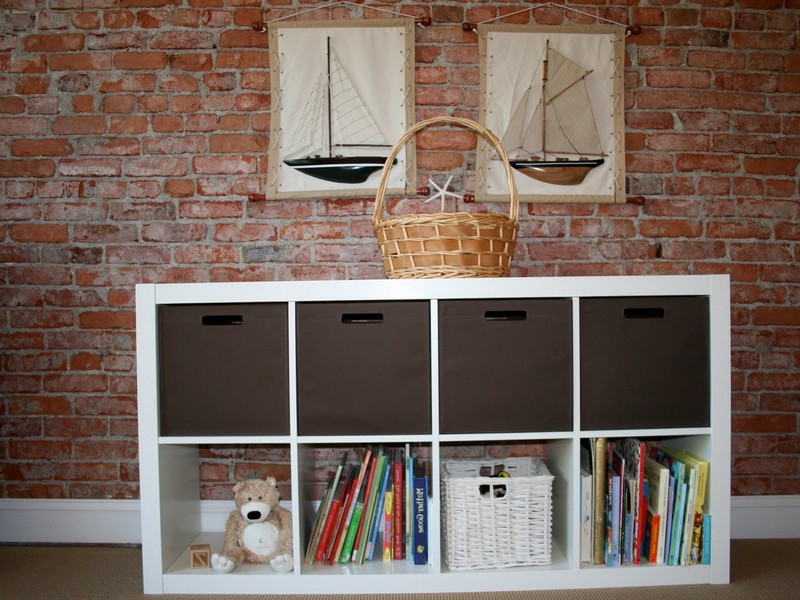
(377, 507)
(643, 501)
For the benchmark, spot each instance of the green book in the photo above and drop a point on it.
(349, 540)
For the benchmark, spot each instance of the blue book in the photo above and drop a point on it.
(420, 519)
(378, 514)
(614, 522)
(677, 522)
(706, 555)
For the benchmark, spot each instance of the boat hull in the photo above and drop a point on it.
(339, 169)
(557, 172)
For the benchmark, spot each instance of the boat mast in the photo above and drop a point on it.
(330, 103)
(543, 105)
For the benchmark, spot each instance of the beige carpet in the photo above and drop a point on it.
(759, 569)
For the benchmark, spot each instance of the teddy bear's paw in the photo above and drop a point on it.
(282, 563)
(222, 564)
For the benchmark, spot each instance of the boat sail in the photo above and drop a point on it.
(543, 136)
(334, 119)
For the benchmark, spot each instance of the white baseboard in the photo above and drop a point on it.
(35, 521)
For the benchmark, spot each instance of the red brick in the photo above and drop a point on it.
(140, 61)
(39, 449)
(39, 233)
(95, 61)
(40, 147)
(192, 62)
(27, 168)
(224, 165)
(107, 320)
(54, 42)
(118, 19)
(771, 166)
(79, 125)
(242, 38)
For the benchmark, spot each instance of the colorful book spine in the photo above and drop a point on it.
(388, 521)
(351, 508)
(378, 518)
(397, 525)
(352, 530)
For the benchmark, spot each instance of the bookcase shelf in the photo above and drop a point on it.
(446, 365)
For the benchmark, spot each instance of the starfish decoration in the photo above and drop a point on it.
(442, 192)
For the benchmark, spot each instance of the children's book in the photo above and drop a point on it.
(420, 516)
(599, 461)
(657, 476)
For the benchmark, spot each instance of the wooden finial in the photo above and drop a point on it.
(634, 29)
(424, 191)
(424, 21)
(259, 26)
(469, 198)
(256, 197)
(468, 27)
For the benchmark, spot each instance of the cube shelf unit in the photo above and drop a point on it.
(435, 363)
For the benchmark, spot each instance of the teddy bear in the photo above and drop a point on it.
(258, 531)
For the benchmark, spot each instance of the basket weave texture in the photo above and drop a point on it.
(509, 524)
(446, 244)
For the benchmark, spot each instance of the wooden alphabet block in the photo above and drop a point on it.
(200, 556)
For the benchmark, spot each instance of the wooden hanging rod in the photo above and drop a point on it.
(630, 29)
(261, 27)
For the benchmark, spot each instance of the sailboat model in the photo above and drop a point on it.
(555, 140)
(335, 119)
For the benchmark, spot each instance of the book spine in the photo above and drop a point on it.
(352, 530)
(316, 530)
(330, 524)
(677, 522)
(655, 531)
(420, 520)
(706, 556)
(378, 519)
(388, 520)
(351, 506)
(397, 525)
(365, 505)
(598, 535)
(332, 554)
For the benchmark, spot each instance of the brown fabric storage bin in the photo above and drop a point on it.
(505, 365)
(363, 368)
(224, 369)
(644, 362)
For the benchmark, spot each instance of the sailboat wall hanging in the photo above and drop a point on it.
(554, 97)
(342, 92)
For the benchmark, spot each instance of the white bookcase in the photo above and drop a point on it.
(169, 445)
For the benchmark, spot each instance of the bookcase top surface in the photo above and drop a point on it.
(388, 289)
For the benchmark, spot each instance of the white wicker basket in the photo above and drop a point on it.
(493, 522)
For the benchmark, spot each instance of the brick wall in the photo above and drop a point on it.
(132, 132)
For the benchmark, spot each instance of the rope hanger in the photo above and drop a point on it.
(262, 26)
(629, 29)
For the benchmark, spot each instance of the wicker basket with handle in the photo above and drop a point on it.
(446, 244)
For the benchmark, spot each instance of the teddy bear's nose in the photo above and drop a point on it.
(254, 514)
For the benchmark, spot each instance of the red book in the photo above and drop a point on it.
(397, 524)
(333, 517)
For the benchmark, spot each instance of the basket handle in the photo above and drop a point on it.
(485, 133)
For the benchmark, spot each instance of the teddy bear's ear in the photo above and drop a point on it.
(237, 487)
(271, 481)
